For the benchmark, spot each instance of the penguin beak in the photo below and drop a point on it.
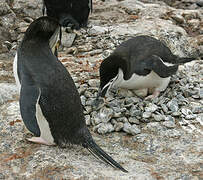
(56, 48)
(101, 93)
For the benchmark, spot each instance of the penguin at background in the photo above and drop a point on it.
(140, 63)
(49, 101)
(70, 13)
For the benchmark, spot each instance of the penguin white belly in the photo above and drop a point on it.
(43, 126)
(15, 72)
(151, 80)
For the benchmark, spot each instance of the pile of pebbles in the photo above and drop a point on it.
(179, 105)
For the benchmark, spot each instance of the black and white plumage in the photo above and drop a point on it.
(72, 13)
(140, 63)
(49, 101)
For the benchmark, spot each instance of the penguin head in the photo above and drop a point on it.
(45, 29)
(108, 75)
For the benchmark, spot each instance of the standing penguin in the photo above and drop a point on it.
(72, 13)
(140, 63)
(49, 101)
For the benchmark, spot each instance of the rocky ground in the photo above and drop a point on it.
(157, 139)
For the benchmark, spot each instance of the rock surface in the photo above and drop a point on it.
(153, 139)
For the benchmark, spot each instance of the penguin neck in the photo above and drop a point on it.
(110, 69)
(34, 44)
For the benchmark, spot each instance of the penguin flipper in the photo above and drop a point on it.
(28, 98)
(156, 64)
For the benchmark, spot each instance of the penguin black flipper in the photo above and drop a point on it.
(156, 64)
(28, 99)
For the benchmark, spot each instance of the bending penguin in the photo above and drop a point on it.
(69, 12)
(140, 63)
(49, 101)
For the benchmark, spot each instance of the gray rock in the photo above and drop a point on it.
(132, 100)
(114, 103)
(118, 126)
(169, 122)
(90, 102)
(105, 114)
(147, 115)
(186, 111)
(122, 119)
(87, 119)
(197, 109)
(88, 94)
(135, 112)
(190, 116)
(104, 128)
(127, 127)
(176, 114)
(158, 117)
(94, 82)
(88, 109)
(96, 30)
(131, 129)
(94, 52)
(164, 107)
(117, 114)
(134, 120)
(83, 100)
(95, 119)
(151, 108)
(183, 122)
(68, 39)
(135, 129)
(201, 93)
(173, 105)
(170, 118)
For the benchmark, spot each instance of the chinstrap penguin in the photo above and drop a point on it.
(70, 13)
(140, 63)
(49, 101)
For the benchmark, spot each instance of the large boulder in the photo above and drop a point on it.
(7, 26)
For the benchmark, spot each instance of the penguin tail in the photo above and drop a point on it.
(97, 152)
(182, 60)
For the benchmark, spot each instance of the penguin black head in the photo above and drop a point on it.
(69, 13)
(42, 28)
(109, 71)
(45, 29)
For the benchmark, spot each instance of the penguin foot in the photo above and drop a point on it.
(154, 95)
(39, 140)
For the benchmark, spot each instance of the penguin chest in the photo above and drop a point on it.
(15, 72)
(152, 80)
(45, 132)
